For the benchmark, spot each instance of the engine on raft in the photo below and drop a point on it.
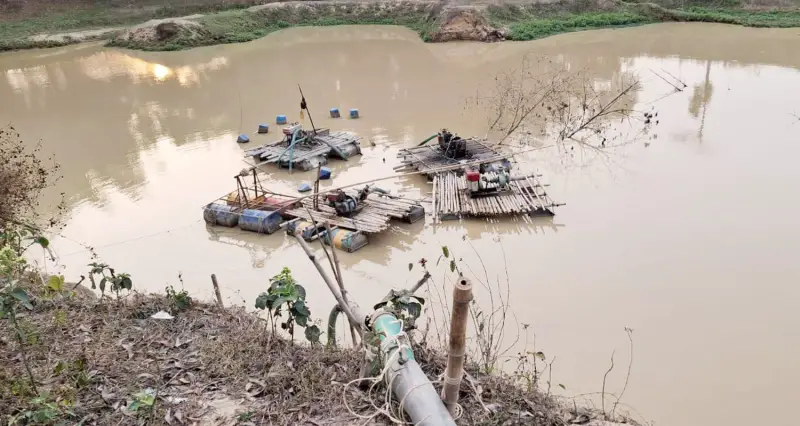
(348, 205)
(489, 181)
(452, 146)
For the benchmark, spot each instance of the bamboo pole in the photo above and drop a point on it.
(339, 278)
(435, 177)
(349, 310)
(216, 290)
(462, 295)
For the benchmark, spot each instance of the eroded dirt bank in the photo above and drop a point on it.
(149, 25)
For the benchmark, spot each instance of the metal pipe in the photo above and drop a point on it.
(462, 296)
(290, 148)
(410, 386)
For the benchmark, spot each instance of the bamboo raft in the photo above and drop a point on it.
(452, 199)
(310, 154)
(373, 218)
(429, 157)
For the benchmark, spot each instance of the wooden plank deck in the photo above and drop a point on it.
(452, 200)
(276, 152)
(429, 157)
(373, 218)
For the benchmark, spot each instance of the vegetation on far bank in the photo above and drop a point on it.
(236, 26)
(16, 30)
(229, 22)
(542, 20)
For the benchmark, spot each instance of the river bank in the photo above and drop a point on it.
(110, 362)
(150, 26)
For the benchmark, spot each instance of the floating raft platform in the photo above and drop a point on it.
(255, 209)
(374, 217)
(309, 154)
(452, 199)
(429, 157)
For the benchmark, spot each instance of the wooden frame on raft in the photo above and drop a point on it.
(452, 199)
(428, 158)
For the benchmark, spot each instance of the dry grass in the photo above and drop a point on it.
(208, 365)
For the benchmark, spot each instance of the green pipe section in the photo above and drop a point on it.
(426, 140)
(290, 148)
(332, 317)
(387, 326)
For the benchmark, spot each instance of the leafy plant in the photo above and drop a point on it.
(245, 416)
(107, 276)
(74, 371)
(452, 264)
(42, 409)
(145, 398)
(404, 305)
(12, 266)
(56, 283)
(179, 300)
(286, 296)
(56, 287)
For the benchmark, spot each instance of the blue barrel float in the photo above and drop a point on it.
(343, 239)
(324, 173)
(220, 214)
(243, 138)
(263, 128)
(263, 222)
(346, 240)
(304, 187)
(353, 113)
(335, 113)
(306, 228)
(280, 119)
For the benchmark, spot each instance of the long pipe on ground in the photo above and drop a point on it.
(462, 296)
(410, 386)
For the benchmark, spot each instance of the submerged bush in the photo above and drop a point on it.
(24, 175)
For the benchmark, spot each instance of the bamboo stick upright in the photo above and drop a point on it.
(462, 296)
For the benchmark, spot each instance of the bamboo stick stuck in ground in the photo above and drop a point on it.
(216, 290)
(462, 295)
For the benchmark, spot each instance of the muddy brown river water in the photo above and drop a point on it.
(689, 236)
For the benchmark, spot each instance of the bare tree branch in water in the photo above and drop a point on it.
(629, 331)
(603, 391)
(24, 175)
(572, 106)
